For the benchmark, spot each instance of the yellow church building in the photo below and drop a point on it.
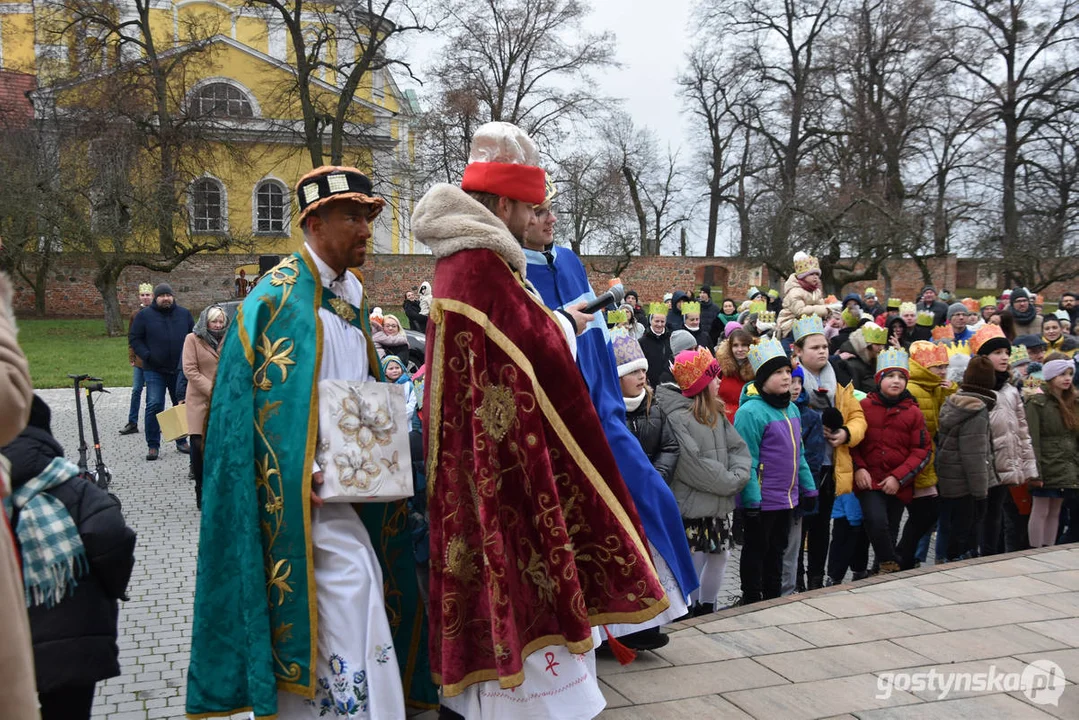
(245, 81)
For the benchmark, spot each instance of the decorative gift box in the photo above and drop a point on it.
(363, 446)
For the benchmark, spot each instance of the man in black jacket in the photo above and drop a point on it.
(157, 336)
(709, 310)
(928, 302)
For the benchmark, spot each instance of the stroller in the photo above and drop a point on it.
(101, 475)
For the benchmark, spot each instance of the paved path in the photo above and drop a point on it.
(813, 655)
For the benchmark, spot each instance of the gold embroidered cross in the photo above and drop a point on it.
(343, 309)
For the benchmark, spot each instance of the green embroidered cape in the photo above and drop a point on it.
(255, 616)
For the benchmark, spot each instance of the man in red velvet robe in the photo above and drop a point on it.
(534, 537)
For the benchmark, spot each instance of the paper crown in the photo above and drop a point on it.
(831, 300)
(971, 304)
(690, 306)
(988, 333)
(758, 307)
(1019, 355)
(870, 291)
(766, 349)
(773, 293)
(808, 325)
(805, 264)
(895, 303)
(927, 354)
(549, 188)
(907, 307)
(145, 288)
(693, 370)
(944, 332)
(766, 318)
(957, 348)
(849, 318)
(893, 359)
(925, 318)
(628, 355)
(657, 308)
(616, 317)
(987, 301)
(754, 291)
(1039, 299)
(874, 334)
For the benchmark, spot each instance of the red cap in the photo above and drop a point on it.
(517, 182)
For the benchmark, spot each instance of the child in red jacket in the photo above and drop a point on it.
(895, 449)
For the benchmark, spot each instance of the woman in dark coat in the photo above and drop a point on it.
(73, 629)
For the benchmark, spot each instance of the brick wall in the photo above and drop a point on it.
(208, 278)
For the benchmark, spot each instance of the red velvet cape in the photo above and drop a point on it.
(534, 537)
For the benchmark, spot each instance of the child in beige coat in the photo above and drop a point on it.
(802, 293)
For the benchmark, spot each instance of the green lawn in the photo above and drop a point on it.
(58, 347)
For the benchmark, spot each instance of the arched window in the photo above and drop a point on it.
(208, 205)
(221, 100)
(271, 207)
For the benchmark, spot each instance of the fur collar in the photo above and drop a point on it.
(448, 221)
(730, 366)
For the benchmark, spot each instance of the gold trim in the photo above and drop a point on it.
(245, 340)
(434, 419)
(227, 713)
(516, 355)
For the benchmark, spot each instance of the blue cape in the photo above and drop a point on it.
(561, 283)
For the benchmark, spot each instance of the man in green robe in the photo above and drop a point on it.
(291, 617)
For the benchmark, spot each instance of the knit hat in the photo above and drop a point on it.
(927, 354)
(805, 265)
(988, 338)
(731, 327)
(897, 304)
(927, 287)
(906, 307)
(145, 288)
(682, 340)
(852, 296)
(667, 297)
(628, 355)
(706, 289)
(503, 160)
(1019, 293)
(892, 359)
(633, 293)
(874, 334)
(980, 374)
(162, 289)
(1031, 341)
(389, 359)
(870, 292)
(925, 318)
(956, 309)
(987, 301)
(693, 370)
(807, 325)
(799, 373)
(766, 357)
(1020, 356)
(1057, 367)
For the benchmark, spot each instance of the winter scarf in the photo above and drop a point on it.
(203, 332)
(811, 383)
(1025, 318)
(53, 555)
(632, 403)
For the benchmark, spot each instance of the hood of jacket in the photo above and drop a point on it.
(730, 366)
(425, 288)
(961, 407)
(447, 220)
(670, 398)
(923, 377)
(856, 344)
(30, 453)
(678, 295)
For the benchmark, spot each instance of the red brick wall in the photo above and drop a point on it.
(208, 278)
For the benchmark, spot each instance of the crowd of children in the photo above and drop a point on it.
(809, 429)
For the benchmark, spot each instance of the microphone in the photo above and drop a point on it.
(614, 296)
(831, 418)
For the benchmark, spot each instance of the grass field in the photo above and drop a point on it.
(58, 347)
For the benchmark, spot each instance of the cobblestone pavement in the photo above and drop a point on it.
(159, 503)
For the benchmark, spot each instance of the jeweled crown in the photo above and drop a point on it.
(893, 359)
(928, 354)
(808, 325)
(763, 351)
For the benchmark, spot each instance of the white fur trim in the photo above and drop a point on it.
(632, 366)
(448, 221)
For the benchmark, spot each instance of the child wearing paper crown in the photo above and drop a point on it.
(802, 293)
(771, 426)
(895, 449)
(713, 466)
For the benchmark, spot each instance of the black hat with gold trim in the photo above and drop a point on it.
(331, 183)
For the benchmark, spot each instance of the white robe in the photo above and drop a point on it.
(356, 669)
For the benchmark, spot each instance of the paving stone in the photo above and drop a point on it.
(819, 698)
(1065, 602)
(1010, 567)
(1065, 630)
(1066, 559)
(954, 680)
(792, 612)
(994, 589)
(1064, 578)
(606, 665)
(848, 604)
(972, 708)
(978, 644)
(1068, 660)
(825, 633)
(841, 660)
(697, 649)
(986, 614)
(923, 580)
(707, 706)
(1067, 707)
(675, 683)
(613, 697)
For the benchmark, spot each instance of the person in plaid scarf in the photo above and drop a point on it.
(77, 555)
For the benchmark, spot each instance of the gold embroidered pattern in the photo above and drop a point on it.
(497, 411)
(343, 309)
(461, 560)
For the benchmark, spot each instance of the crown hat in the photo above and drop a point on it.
(615, 317)
(892, 359)
(874, 334)
(693, 370)
(895, 303)
(758, 307)
(657, 308)
(766, 317)
(807, 325)
(927, 354)
(766, 349)
(942, 333)
(805, 265)
(691, 307)
(988, 338)
(962, 347)
(1019, 355)
(971, 305)
(987, 301)
(146, 289)
(907, 307)
(628, 355)
(925, 318)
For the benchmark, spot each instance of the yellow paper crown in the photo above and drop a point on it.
(957, 348)
(925, 318)
(874, 334)
(895, 303)
(763, 351)
(758, 307)
(987, 301)
(808, 325)
(927, 354)
(1019, 355)
(691, 307)
(907, 307)
(657, 308)
(615, 317)
(145, 288)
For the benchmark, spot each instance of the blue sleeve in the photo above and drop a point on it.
(751, 428)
